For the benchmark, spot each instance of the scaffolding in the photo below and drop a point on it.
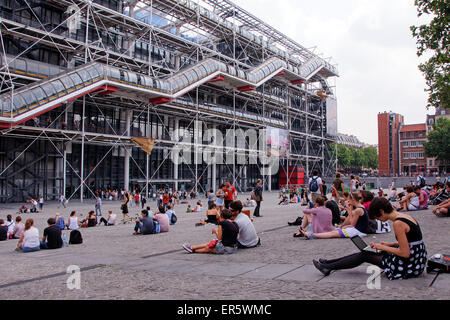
(79, 79)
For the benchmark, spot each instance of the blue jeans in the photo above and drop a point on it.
(98, 209)
(137, 227)
(27, 249)
(44, 245)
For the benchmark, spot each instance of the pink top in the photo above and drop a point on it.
(424, 203)
(322, 218)
(163, 220)
(367, 205)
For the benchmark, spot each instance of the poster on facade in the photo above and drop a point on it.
(332, 124)
(277, 142)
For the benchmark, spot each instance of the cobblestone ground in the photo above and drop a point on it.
(116, 265)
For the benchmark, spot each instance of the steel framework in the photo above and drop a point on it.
(79, 79)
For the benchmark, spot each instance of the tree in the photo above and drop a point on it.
(344, 156)
(438, 144)
(371, 155)
(435, 37)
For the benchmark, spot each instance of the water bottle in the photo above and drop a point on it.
(65, 242)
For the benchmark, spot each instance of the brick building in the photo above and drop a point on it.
(388, 144)
(434, 165)
(412, 151)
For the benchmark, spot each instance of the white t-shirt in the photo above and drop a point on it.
(11, 225)
(73, 223)
(247, 234)
(112, 219)
(319, 183)
(31, 238)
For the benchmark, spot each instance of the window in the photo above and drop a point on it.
(406, 144)
(413, 143)
(431, 163)
(406, 155)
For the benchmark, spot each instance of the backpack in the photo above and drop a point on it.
(422, 182)
(439, 263)
(174, 218)
(75, 237)
(313, 186)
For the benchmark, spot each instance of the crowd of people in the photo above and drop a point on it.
(347, 213)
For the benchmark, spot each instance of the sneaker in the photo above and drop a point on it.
(188, 248)
(199, 224)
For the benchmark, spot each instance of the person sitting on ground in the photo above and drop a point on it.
(250, 203)
(380, 193)
(410, 202)
(162, 219)
(110, 221)
(3, 230)
(336, 212)
(212, 216)
(198, 207)
(29, 240)
(24, 209)
(18, 228)
(356, 224)
(247, 237)
(318, 219)
(189, 209)
(170, 212)
(59, 221)
(294, 198)
(226, 234)
(10, 225)
(90, 221)
(144, 225)
(52, 236)
(404, 259)
(393, 195)
(442, 210)
(423, 198)
(73, 221)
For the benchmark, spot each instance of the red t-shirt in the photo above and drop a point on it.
(165, 199)
(230, 192)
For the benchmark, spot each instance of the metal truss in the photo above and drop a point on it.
(159, 39)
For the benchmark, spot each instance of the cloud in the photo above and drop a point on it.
(373, 47)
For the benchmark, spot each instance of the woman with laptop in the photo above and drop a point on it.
(406, 258)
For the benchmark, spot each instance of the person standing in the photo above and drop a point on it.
(62, 201)
(338, 187)
(41, 203)
(230, 194)
(257, 193)
(98, 206)
(315, 186)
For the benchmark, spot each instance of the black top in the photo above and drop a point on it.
(230, 231)
(333, 206)
(414, 234)
(258, 191)
(53, 234)
(362, 225)
(92, 222)
(3, 233)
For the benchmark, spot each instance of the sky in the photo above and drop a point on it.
(372, 45)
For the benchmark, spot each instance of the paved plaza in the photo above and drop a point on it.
(117, 265)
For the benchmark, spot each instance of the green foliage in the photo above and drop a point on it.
(357, 158)
(435, 37)
(438, 144)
